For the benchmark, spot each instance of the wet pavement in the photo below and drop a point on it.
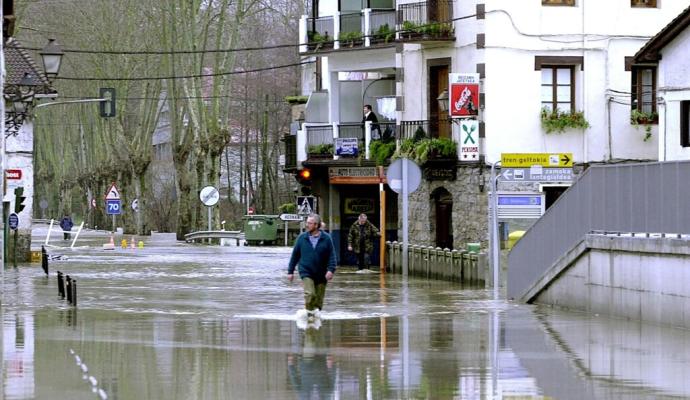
(199, 322)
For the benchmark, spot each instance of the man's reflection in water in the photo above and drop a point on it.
(312, 373)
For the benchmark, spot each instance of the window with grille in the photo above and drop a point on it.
(558, 2)
(643, 89)
(557, 87)
(643, 3)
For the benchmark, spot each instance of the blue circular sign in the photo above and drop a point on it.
(13, 221)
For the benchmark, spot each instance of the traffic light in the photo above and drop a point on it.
(107, 106)
(304, 177)
(19, 199)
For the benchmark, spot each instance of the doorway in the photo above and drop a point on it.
(438, 82)
(552, 193)
(443, 218)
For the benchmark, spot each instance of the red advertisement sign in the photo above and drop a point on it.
(14, 174)
(464, 99)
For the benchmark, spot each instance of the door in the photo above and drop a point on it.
(438, 82)
(444, 218)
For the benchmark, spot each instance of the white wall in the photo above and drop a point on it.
(674, 86)
(19, 155)
(518, 31)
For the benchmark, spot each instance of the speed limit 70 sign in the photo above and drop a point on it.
(113, 207)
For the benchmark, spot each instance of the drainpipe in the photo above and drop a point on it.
(585, 143)
(608, 125)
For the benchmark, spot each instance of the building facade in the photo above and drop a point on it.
(532, 57)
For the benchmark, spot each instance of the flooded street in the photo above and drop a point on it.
(198, 322)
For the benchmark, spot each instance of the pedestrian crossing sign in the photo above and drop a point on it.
(306, 205)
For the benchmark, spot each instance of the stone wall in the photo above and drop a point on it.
(470, 209)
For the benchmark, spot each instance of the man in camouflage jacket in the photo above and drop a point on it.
(361, 240)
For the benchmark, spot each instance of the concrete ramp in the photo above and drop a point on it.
(640, 278)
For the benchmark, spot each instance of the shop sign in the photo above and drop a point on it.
(355, 175)
(359, 205)
(464, 95)
(346, 147)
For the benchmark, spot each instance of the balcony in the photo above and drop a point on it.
(370, 27)
(316, 142)
(426, 129)
(426, 21)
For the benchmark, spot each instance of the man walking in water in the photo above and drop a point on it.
(315, 254)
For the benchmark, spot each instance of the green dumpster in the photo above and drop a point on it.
(260, 229)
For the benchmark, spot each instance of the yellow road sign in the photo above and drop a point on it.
(526, 160)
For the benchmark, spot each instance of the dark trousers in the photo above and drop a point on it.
(66, 235)
(362, 259)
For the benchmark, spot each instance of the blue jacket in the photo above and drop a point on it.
(313, 262)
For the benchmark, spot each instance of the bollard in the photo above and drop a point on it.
(61, 285)
(44, 259)
(141, 244)
(68, 288)
(124, 243)
(74, 292)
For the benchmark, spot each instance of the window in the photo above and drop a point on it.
(557, 87)
(643, 3)
(558, 2)
(685, 123)
(643, 89)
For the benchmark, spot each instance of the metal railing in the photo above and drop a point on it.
(382, 26)
(324, 27)
(643, 197)
(319, 134)
(425, 129)
(432, 17)
(351, 23)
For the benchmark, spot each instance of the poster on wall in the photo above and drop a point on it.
(346, 147)
(464, 95)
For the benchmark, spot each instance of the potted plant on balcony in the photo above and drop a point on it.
(430, 152)
(647, 119)
(559, 121)
(324, 150)
(350, 39)
(384, 34)
(318, 41)
(382, 151)
(411, 30)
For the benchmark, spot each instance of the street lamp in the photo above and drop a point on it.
(20, 97)
(52, 58)
(442, 100)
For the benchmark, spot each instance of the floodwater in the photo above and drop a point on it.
(200, 322)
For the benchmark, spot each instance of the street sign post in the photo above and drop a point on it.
(404, 176)
(13, 221)
(113, 207)
(306, 205)
(536, 174)
(527, 160)
(209, 195)
(290, 217)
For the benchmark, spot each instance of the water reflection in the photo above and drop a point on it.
(379, 339)
(312, 371)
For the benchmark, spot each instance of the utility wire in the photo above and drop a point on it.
(153, 78)
(255, 48)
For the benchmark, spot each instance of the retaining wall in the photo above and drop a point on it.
(443, 264)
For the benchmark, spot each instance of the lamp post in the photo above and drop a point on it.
(52, 59)
(20, 97)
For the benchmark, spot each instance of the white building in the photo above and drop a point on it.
(575, 55)
(665, 57)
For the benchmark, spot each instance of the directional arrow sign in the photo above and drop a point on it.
(526, 160)
(290, 217)
(537, 174)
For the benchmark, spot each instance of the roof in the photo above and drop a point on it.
(18, 62)
(651, 50)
